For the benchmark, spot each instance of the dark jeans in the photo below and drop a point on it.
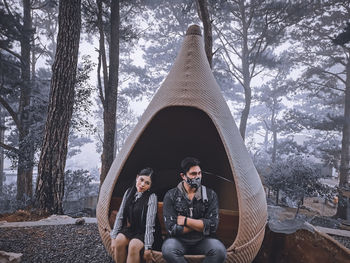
(174, 250)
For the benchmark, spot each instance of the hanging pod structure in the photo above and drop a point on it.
(188, 116)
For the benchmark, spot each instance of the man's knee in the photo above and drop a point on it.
(172, 248)
(217, 250)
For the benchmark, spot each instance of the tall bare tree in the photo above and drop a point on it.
(26, 151)
(203, 12)
(2, 137)
(50, 183)
(247, 31)
(21, 31)
(109, 95)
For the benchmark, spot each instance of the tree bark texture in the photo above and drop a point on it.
(26, 148)
(111, 94)
(247, 91)
(102, 50)
(274, 131)
(50, 183)
(208, 34)
(246, 73)
(2, 138)
(345, 151)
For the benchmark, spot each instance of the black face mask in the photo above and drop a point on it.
(194, 182)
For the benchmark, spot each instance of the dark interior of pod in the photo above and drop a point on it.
(174, 133)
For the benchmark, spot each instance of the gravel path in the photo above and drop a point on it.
(60, 243)
(345, 241)
(63, 243)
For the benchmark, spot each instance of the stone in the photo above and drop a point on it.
(6, 257)
(80, 221)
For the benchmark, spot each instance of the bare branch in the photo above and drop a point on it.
(323, 85)
(257, 73)
(267, 125)
(18, 25)
(11, 112)
(12, 52)
(235, 75)
(9, 148)
(220, 34)
(99, 83)
(40, 6)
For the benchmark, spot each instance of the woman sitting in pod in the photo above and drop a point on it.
(137, 226)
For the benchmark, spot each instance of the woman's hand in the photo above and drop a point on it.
(114, 246)
(148, 256)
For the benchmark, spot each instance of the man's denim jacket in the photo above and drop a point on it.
(176, 203)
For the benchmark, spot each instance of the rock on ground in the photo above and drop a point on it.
(9, 257)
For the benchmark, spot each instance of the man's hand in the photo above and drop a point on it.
(148, 256)
(181, 220)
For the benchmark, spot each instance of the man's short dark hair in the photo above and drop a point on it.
(187, 163)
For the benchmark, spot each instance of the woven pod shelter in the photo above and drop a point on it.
(188, 116)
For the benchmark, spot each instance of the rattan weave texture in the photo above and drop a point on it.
(191, 83)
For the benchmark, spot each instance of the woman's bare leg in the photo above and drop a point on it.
(119, 250)
(135, 246)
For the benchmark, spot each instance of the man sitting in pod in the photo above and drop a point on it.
(191, 217)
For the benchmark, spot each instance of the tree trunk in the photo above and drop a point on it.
(345, 151)
(246, 75)
(102, 50)
(2, 139)
(111, 94)
(274, 132)
(247, 91)
(208, 35)
(50, 183)
(298, 208)
(26, 148)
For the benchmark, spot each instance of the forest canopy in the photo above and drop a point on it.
(283, 68)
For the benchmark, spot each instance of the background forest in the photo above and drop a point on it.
(81, 72)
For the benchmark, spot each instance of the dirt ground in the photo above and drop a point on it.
(23, 215)
(313, 206)
(319, 206)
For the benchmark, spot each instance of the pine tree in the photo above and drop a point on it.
(50, 183)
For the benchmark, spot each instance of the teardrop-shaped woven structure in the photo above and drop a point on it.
(188, 116)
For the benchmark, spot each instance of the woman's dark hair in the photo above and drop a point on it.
(147, 172)
(187, 163)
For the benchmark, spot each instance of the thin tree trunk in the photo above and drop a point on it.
(300, 202)
(102, 49)
(247, 93)
(208, 35)
(33, 58)
(345, 151)
(111, 94)
(274, 132)
(2, 138)
(266, 139)
(26, 148)
(246, 75)
(50, 183)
